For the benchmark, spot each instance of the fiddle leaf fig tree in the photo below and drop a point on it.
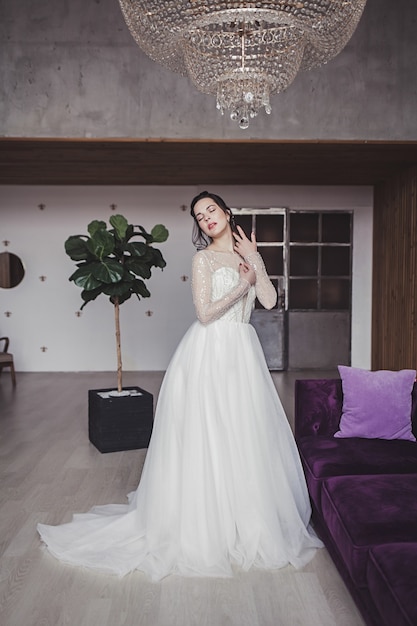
(115, 262)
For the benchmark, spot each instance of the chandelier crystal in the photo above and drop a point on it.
(242, 52)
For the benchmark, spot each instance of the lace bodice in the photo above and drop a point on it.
(220, 293)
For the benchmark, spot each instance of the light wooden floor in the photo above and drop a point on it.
(49, 470)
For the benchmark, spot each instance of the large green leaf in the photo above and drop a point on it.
(129, 232)
(140, 289)
(122, 298)
(137, 248)
(146, 257)
(120, 291)
(95, 226)
(159, 233)
(108, 271)
(157, 258)
(101, 244)
(117, 289)
(138, 267)
(77, 249)
(127, 276)
(88, 296)
(84, 277)
(120, 225)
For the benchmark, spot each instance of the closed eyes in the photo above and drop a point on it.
(210, 209)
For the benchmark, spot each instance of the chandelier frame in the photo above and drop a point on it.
(242, 52)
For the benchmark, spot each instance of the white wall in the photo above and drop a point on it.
(43, 314)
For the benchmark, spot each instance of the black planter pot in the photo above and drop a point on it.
(120, 423)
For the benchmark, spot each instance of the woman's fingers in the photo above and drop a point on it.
(243, 245)
(247, 272)
(241, 234)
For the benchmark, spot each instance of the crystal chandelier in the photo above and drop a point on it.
(242, 52)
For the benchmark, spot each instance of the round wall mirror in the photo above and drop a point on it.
(11, 270)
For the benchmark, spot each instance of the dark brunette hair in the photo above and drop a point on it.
(200, 239)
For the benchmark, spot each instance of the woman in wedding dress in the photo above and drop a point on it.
(222, 486)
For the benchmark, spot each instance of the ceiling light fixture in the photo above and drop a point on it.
(242, 52)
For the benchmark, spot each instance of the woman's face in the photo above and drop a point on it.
(211, 218)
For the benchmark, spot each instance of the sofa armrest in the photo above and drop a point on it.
(414, 410)
(318, 407)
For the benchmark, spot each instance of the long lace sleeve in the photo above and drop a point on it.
(265, 290)
(208, 311)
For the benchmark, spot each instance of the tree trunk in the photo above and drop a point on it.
(119, 351)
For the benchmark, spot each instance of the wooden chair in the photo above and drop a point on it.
(6, 359)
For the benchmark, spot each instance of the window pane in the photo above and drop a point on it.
(304, 261)
(273, 259)
(304, 227)
(335, 294)
(303, 294)
(245, 221)
(335, 261)
(336, 227)
(270, 227)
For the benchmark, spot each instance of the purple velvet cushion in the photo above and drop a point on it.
(376, 405)
(323, 457)
(365, 511)
(392, 582)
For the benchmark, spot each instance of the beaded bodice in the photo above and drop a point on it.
(219, 292)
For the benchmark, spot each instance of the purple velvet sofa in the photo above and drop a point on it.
(364, 499)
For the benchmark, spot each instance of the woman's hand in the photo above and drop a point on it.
(247, 273)
(243, 245)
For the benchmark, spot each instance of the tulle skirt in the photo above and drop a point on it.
(222, 485)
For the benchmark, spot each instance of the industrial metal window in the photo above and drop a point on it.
(307, 254)
(319, 260)
(270, 228)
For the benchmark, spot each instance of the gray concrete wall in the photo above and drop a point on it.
(72, 69)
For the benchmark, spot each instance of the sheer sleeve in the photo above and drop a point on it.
(208, 311)
(265, 290)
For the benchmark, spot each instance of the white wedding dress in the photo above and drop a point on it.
(222, 485)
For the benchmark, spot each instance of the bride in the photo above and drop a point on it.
(222, 486)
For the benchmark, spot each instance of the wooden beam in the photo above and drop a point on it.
(29, 161)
